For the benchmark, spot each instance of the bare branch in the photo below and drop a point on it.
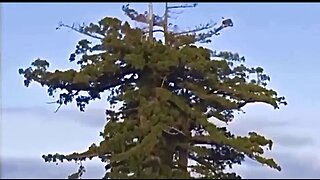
(78, 30)
(174, 131)
(164, 79)
(208, 26)
(183, 6)
(142, 18)
(58, 108)
(54, 102)
(60, 102)
(157, 30)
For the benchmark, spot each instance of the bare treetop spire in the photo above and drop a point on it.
(150, 22)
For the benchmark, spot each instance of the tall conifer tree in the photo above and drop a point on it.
(171, 91)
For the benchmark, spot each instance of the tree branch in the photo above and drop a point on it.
(203, 140)
(106, 82)
(79, 31)
(157, 30)
(197, 29)
(192, 31)
(201, 161)
(183, 6)
(174, 131)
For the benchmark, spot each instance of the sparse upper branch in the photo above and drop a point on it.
(142, 18)
(183, 6)
(79, 30)
(197, 29)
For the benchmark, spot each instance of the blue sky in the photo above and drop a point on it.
(282, 38)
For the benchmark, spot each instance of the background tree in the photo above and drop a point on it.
(167, 92)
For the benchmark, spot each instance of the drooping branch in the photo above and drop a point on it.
(198, 29)
(79, 30)
(203, 140)
(201, 161)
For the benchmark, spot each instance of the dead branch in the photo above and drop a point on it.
(78, 30)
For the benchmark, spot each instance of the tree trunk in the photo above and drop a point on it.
(183, 152)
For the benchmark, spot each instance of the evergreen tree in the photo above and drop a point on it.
(168, 92)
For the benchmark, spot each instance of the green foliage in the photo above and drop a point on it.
(168, 91)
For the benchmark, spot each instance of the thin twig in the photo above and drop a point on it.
(60, 104)
(54, 102)
(165, 77)
(58, 108)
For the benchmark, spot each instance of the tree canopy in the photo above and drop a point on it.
(170, 92)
